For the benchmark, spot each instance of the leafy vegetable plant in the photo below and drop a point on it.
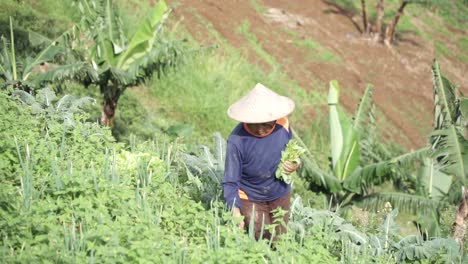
(292, 153)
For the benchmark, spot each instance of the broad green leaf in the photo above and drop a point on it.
(109, 18)
(451, 152)
(24, 96)
(37, 39)
(70, 71)
(373, 174)
(449, 146)
(364, 177)
(5, 62)
(343, 137)
(350, 154)
(45, 97)
(404, 202)
(12, 51)
(143, 39)
(464, 107)
(348, 231)
(45, 55)
(336, 130)
(64, 103)
(317, 176)
(444, 97)
(436, 182)
(106, 55)
(219, 150)
(389, 227)
(364, 109)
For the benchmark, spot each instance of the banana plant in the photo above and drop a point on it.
(433, 184)
(107, 59)
(449, 143)
(20, 74)
(444, 168)
(355, 165)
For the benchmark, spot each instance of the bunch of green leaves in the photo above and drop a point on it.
(292, 154)
(47, 17)
(205, 169)
(19, 71)
(384, 243)
(45, 103)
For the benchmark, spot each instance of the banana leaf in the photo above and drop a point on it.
(364, 111)
(143, 39)
(410, 203)
(344, 139)
(364, 177)
(436, 183)
(450, 148)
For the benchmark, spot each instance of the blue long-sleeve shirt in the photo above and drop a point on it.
(251, 163)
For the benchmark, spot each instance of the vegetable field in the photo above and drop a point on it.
(112, 147)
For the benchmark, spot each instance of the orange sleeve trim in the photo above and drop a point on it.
(242, 195)
(284, 122)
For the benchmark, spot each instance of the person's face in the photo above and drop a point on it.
(261, 129)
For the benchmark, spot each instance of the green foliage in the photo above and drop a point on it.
(345, 150)
(16, 71)
(348, 176)
(100, 55)
(48, 17)
(72, 195)
(133, 120)
(315, 51)
(291, 154)
(432, 176)
(205, 170)
(64, 109)
(449, 146)
(245, 30)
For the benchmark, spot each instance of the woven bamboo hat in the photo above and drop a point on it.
(260, 105)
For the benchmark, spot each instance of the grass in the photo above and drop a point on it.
(441, 49)
(212, 33)
(454, 13)
(316, 52)
(201, 89)
(244, 29)
(192, 99)
(463, 46)
(258, 7)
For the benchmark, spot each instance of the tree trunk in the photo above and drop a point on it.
(459, 226)
(390, 36)
(364, 17)
(111, 97)
(108, 113)
(379, 34)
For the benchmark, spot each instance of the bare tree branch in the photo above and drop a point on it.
(390, 36)
(365, 20)
(379, 34)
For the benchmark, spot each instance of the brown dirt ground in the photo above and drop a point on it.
(401, 75)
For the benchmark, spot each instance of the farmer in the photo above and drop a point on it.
(253, 154)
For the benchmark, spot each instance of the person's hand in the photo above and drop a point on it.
(290, 167)
(237, 214)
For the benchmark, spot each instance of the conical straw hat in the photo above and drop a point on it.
(260, 105)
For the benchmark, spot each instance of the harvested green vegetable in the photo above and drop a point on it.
(292, 153)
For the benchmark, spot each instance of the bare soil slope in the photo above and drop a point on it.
(401, 75)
